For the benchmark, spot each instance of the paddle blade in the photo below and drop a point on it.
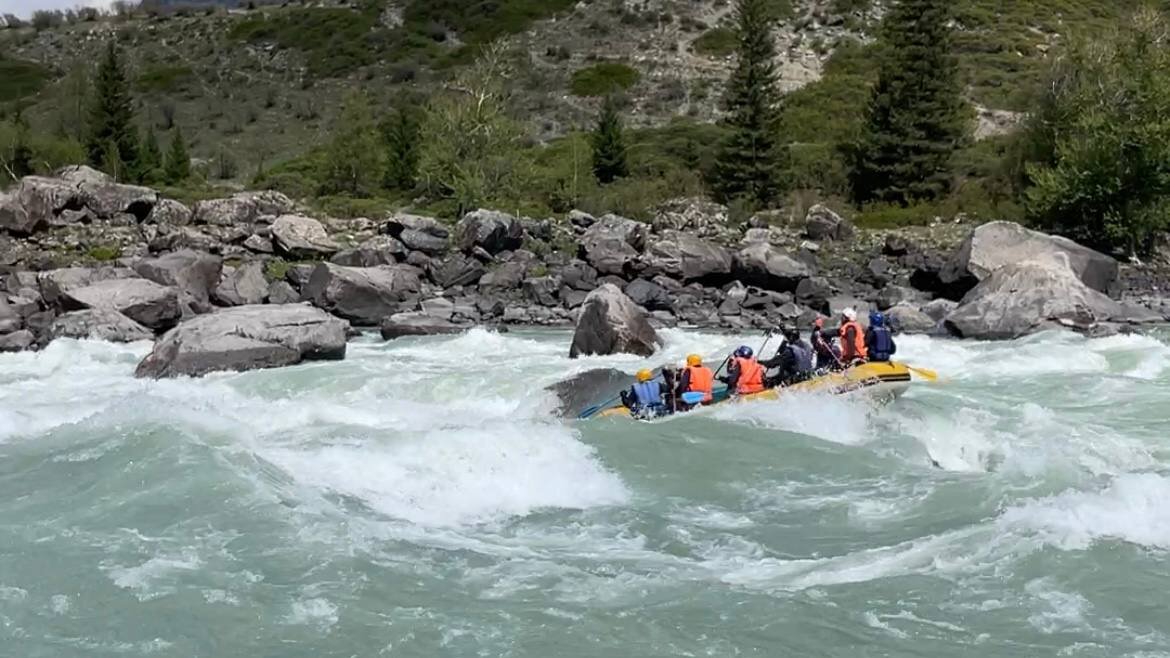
(692, 397)
(925, 373)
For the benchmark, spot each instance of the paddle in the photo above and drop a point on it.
(927, 374)
(693, 397)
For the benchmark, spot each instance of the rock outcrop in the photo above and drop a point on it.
(766, 266)
(246, 338)
(996, 244)
(610, 322)
(147, 303)
(195, 274)
(491, 230)
(302, 237)
(242, 285)
(1028, 296)
(611, 245)
(99, 324)
(363, 295)
(687, 258)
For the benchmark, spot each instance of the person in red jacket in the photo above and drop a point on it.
(852, 338)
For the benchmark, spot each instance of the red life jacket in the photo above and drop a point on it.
(854, 349)
(751, 376)
(700, 379)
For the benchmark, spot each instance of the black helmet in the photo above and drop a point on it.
(791, 334)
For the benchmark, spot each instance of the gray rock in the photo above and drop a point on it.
(996, 244)
(815, 291)
(78, 174)
(302, 237)
(687, 257)
(107, 200)
(841, 302)
(186, 237)
(427, 243)
(823, 224)
(169, 212)
(14, 219)
(259, 244)
(280, 292)
(754, 235)
(939, 308)
(572, 298)
(363, 295)
(456, 270)
(417, 324)
(246, 338)
(10, 320)
(194, 273)
(242, 285)
(579, 275)
(609, 323)
(146, 302)
(242, 208)
(489, 229)
(41, 201)
(17, 341)
(506, 276)
(542, 290)
(765, 266)
(401, 222)
(649, 295)
(378, 250)
(581, 219)
(54, 283)
(298, 275)
(763, 300)
(907, 319)
(891, 296)
(1028, 296)
(612, 244)
(439, 308)
(99, 324)
(876, 272)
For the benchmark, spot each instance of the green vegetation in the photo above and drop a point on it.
(112, 141)
(603, 79)
(400, 134)
(333, 40)
(609, 146)
(716, 42)
(105, 253)
(353, 164)
(1097, 152)
(20, 79)
(177, 166)
(479, 22)
(163, 79)
(748, 166)
(915, 120)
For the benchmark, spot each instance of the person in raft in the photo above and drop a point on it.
(828, 356)
(745, 375)
(852, 339)
(644, 399)
(793, 361)
(696, 378)
(879, 341)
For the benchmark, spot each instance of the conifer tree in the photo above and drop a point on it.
(178, 164)
(21, 162)
(609, 146)
(748, 164)
(915, 119)
(150, 160)
(353, 162)
(111, 113)
(400, 132)
(112, 162)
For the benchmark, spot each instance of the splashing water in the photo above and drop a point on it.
(421, 498)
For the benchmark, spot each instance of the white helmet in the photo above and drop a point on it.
(849, 314)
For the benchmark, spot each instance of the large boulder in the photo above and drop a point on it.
(54, 283)
(363, 295)
(612, 244)
(10, 319)
(456, 270)
(246, 338)
(302, 237)
(243, 285)
(378, 250)
(417, 324)
(419, 233)
(17, 341)
(609, 323)
(687, 257)
(908, 319)
(108, 200)
(770, 268)
(649, 295)
(821, 223)
(505, 276)
(492, 230)
(1020, 298)
(36, 203)
(579, 275)
(242, 208)
(168, 212)
(141, 300)
(996, 244)
(14, 219)
(99, 324)
(194, 273)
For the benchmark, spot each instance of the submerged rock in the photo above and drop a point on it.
(246, 338)
(417, 324)
(609, 323)
(586, 389)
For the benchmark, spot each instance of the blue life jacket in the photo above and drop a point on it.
(883, 344)
(648, 394)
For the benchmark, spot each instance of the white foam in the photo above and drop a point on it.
(836, 418)
(318, 612)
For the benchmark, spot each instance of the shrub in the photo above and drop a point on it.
(716, 42)
(603, 79)
(105, 253)
(19, 78)
(163, 79)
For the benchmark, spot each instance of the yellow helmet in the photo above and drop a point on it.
(644, 375)
(694, 360)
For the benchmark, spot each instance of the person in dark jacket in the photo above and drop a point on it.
(793, 361)
(828, 357)
(879, 340)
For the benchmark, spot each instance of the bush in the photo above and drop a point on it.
(602, 79)
(335, 41)
(481, 21)
(163, 79)
(105, 253)
(716, 42)
(19, 78)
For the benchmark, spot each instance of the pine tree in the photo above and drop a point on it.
(111, 113)
(150, 160)
(353, 163)
(748, 164)
(609, 146)
(178, 164)
(111, 161)
(915, 119)
(21, 163)
(400, 132)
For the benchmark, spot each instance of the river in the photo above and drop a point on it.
(421, 499)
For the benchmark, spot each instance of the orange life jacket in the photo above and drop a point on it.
(700, 379)
(751, 376)
(856, 348)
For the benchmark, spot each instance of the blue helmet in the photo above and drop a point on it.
(743, 352)
(876, 319)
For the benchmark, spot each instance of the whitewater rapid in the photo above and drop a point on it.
(422, 498)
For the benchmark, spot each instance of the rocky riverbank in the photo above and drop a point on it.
(83, 256)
